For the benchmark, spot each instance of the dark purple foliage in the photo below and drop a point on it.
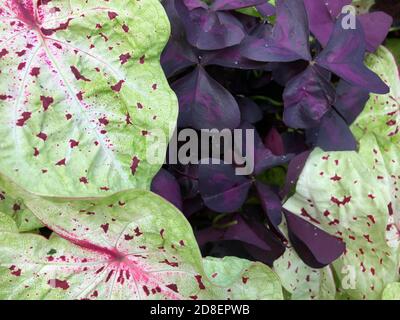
(298, 82)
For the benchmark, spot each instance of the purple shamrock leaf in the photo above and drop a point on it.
(229, 57)
(344, 55)
(266, 9)
(350, 101)
(288, 39)
(221, 189)
(316, 247)
(376, 26)
(165, 185)
(271, 204)
(323, 14)
(308, 97)
(293, 173)
(333, 134)
(212, 28)
(249, 110)
(274, 142)
(204, 103)
(258, 242)
(221, 5)
(263, 157)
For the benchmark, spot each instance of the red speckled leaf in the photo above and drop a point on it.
(131, 245)
(80, 82)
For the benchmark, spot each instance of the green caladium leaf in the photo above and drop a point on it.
(131, 245)
(363, 6)
(15, 208)
(382, 113)
(354, 195)
(255, 283)
(393, 44)
(392, 292)
(301, 281)
(81, 94)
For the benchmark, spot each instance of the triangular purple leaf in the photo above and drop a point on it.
(165, 185)
(234, 4)
(350, 101)
(316, 247)
(221, 189)
(333, 134)
(289, 37)
(207, 29)
(271, 203)
(308, 97)
(344, 55)
(376, 26)
(204, 103)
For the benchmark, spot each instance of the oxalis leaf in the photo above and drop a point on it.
(131, 245)
(81, 91)
(354, 196)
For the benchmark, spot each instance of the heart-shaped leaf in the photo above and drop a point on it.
(354, 196)
(288, 40)
(204, 103)
(81, 90)
(131, 245)
(344, 55)
(308, 97)
(382, 113)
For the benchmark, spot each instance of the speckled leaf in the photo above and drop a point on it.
(116, 247)
(301, 281)
(382, 113)
(81, 90)
(354, 196)
(253, 280)
(392, 292)
(13, 206)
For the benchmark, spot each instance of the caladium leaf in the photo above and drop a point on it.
(381, 114)
(362, 204)
(344, 55)
(118, 247)
(81, 90)
(13, 205)
(302, 281)
(308, 97)
(310, 242)
(288, 40)
(204, 103)
(392, 292)
(265, 286)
